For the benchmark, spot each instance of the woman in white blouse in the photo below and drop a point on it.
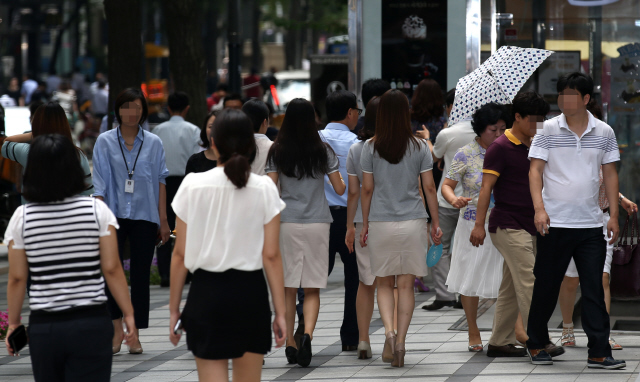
(227, 229)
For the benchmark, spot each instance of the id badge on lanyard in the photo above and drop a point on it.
(129, 184)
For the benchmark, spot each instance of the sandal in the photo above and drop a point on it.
(568, 338)
(614, 344)
(476, 348)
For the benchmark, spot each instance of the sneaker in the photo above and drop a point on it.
(505, 351)
(542, 358)
(554, 350)
(608, 363)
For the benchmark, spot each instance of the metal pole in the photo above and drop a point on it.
(234, 46)
(595, 50)
(539, 11)
(473, 35)
(355, 48)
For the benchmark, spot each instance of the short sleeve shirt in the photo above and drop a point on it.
(571, 174)
(466, 168)
(354, 169)
(225, 225)
(507, 159)
(396, 192)
(305, 198)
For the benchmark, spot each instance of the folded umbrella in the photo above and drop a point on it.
(497, 80)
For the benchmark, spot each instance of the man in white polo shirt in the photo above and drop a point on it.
(566, 157)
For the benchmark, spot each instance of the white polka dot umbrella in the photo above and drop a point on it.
(497, 80)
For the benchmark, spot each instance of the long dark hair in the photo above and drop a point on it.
(232, 133)
(298, 151)
(427, 102)
(53, 170)
(393, 127)
(50, 118)
(370, 117)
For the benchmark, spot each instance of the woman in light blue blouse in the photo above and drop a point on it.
(129, 175)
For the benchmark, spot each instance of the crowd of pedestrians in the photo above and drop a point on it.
(256, 219)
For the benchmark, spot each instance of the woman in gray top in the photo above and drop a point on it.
(392, 163)
(367, 287)
(299, 160)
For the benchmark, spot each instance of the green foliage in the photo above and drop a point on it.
(328, 16)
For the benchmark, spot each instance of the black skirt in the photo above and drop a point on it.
(227, 314)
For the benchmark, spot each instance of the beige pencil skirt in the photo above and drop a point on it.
(363, 258)
(398, 248)
(305, 254)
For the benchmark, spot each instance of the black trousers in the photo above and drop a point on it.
(587, 246)
(74, 350)
(142, 237)
(164, 252)
(349, 329)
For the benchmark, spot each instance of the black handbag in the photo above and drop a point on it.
(625, 264)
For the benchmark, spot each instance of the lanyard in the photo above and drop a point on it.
(125, 159)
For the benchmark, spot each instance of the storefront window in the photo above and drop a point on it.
(575, 33)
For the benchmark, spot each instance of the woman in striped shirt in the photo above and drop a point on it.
(68, 243)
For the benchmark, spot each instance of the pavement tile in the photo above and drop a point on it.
(434, 352)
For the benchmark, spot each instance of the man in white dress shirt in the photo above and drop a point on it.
(342, 112)
(180, 139)
(258, 112)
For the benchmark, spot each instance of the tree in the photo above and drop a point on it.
(125, 47)
(256, 52)
(73, 20)
(293, 40)
(186, 55)
(306, 18)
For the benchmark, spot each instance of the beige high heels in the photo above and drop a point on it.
(389, 347)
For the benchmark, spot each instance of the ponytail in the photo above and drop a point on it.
(232, 132)
(238, 170)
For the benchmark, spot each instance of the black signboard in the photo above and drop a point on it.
(328, 74)
(414, 42)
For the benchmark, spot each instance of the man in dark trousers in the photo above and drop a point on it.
(566, 156)
(180, 139)
(343, 112)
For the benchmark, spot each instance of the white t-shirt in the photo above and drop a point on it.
(225, 225)
(448, 142)
(263, 144)
(571, 176)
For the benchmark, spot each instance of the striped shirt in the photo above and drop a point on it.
(571, 176)
(62, 243)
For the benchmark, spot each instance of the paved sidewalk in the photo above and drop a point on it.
(434, 352)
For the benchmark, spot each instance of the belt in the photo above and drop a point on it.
(605, 210)
(337, 207)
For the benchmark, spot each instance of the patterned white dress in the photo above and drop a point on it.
(474, 271)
